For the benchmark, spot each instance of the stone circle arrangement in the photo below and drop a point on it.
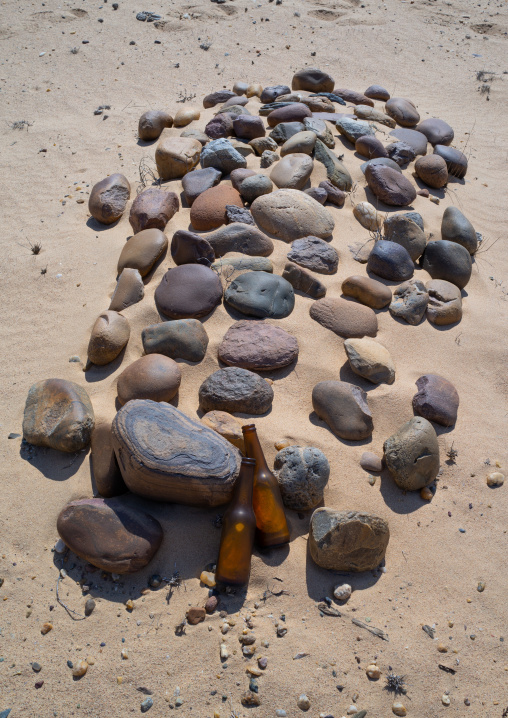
(154, 450)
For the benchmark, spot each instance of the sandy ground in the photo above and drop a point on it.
(427, 51)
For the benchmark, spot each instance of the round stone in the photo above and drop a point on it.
(209, 209)
(390, 261)
(438, 132)
(255, 186)
(235, 390)
(410, 301)
(258, 345)
(142, 251)
(345, 318)
(413, 138)
(403, 230)
(109, 336)
(370, 360)
(239, 237)
(180, 339)
(377, 92)
(153, 376)
(190, 290)
(58, 414)
(456, 161)
(447, 260)
(455, 227)
(371, 462)
(432, 170)
(390, 186)
(240, 88)
(436, 400)
(445, 302)
(344, 408)
(191, 248)
(109, 534)
(185, 116)
(227, 426)
(370, 147)
(153, 208)
(260, 294)
(289, 214)
(198, 181)
(152, 123)
(367, 291)
(403, 111)
(412, 454)
(294, 112)
(313, 80)
(302, 142)
(108, 198)
(292, 171)
(260, 144)
(129, 290)
(302, 474)
(175, 156)
(248, 127)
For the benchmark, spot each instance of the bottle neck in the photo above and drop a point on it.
(245, 482)
(253, 447)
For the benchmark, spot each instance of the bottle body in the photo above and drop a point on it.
(271, 525)
(238, 531)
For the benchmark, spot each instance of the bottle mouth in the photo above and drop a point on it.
(248, 427)
(248, 462)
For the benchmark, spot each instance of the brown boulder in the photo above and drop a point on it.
(445, 302)
(303, 281)
(432, 170)
(109, 336)
(152, 209)
(390, 186)
(344, 408)
(153, 376)
(108, 198)
(370, 147)
(257, 345)
(208, 211)
(142, 251)
(175, 156)
(185, 116)
(152, 123)
(367, 291)
(436, 400)
(313, 80)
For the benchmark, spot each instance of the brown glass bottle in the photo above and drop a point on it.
(271, 525)
(238, 530)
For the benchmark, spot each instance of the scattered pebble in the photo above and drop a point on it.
(146, 704)
(373, 672)
(46, 628)
(303, 702)
(342, 592)
(79, 669)
(399, 709)
(208, 578)
(495, 479)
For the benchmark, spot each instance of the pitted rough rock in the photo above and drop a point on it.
(400, 152)
(152, 209)
(302, 473)
(289, 214)
(236, 391)
(445, 302)
(222, 155)
(410, 301)
(258, 346)
(344, 408)
(353, 129)
(108, 198)
(412, 454)
(436, 400)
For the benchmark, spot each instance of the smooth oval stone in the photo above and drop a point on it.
(190, 290)
(58, 414)
(249, 126)
(367, 291)
(445, 302)
(217, 98)
(371, 462)
(315, 254)
(302, 142)
(152, 376)
(152, 123)
(175, 156)
(432, 170)
(142, 251)
(400, 152)
(302, 473)
(455, 227)
(106, 471)
(377, 92)
(227, 426)
(303, 281)
(185, 115)
(129, 290)
(336, 172)
(271, 93)
(109, 336)
(401, 229)
(413, 138)
(258, 346)
(260, 294)
(108, 198)
(166, 456)
(243, 263)
(235, 390)
(295, 112)
(344, 408)
(438, 132)
(403, 111)
(447, 260)
(410, 301)
(198, 181)
(436, 400)
(347, 540)
(366, 112)
(353, 129)
(412, 454)
(368, 216)
(240, 88)
(110, 534)
(254, 90)
(190, 248)
(208, 211)
(152, 209)
(292, 171)
(353, 97)
(222, 155)
(386, 161)
(220, 126)
(289, 214)
(284, 130)
(370, 147)
(255, 186)
(239, 237)
(370, 360)
(390, 261)
(320, 129)
(312, 79)
(390, 186)
(180, 339)
(456, 161)
(347, 319)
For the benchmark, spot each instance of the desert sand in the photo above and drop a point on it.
(430, 52)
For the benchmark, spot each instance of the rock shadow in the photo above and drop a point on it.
(320, 582)
(92, 223)
(399, 501)
(314, 419)
(53, 464)
(97, 373)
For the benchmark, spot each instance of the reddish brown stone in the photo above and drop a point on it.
(195, 615)
(370, 147)
(153, 376)
(108, 198)
(295, 112)
(152, 123)
(249, 127)
(153, 208)
(208, 211)
(257, 345)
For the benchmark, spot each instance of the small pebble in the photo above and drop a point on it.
(442, 648)
(79, 669)
(46, 628)
(59, 547)
(303, 702)
(352, 710)
(342, 592)
(129, 605)
(36, 667)
(262, 663)
(481, 586)
(125, 654)
(426, 494)
(399, 709)
(146, 704)
(279, 712)
(279, 445)
(155, 581)
(445, 700)
(208, 578)
(89, 606)
(373, 672)
(495, 479)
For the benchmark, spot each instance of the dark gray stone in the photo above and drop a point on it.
(180, 339)
(353, 129)
(249, 127)
(254, 186)
(456, 161)
(344, 408)
(198, 181)
(370, 147)
(438, 132)
(389, 186)
(320, 194)
(315, 254)
(390, 261)
(260, 294)
(400, 152)
(190, 290)
(285, 130)
(413, 138)
(238, 214)
(436, 400)
(217, 98)
(415, 217)
(235, 390)
(380, 161)
(240, 237)
(403, 111)
(302, 473)
(401, 229)
(448, 260)
(312, 79)
(191, 248)
(412, 454)
(455, 227)
(410, 301)
(271, 93)
(336, 172)
(321, 129)
(222, 155)
(377, 92)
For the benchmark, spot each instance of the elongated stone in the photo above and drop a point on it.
(344, 408)
(336, 172)
(180, 339)
(257, 345)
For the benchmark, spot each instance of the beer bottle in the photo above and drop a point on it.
(238, 529)
(271, 524)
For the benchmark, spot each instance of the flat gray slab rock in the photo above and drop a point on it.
(236, 391)
(289, 214)
(258, 345)
(166, 456)
(344, 408)
(412, 454)
(260, 294)
(180, 339)
(314, 253)
(302, 473)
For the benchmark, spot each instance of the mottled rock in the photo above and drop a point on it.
(445, 302)
(109, 534)
(370, 360)
(220, 126)
(191, 248)
(166, 456)
(142, 251)
(370, 147)
(129, 290)
(400, 152)
(235, 390)
(185, 115)
(321, 129)
(336, 172)
(377, 92)
(438, 132)
(447, 260)
(208, 211)
(243, 263)
(152, 209)
(106, 472)
(335, 195)
(401, 229)
(410, 301)
(347, 540)
(175, 156)
(249, 126)
(152, 123)
(195, 615)
(153, 376)
(260, 144)
(314, 253)
(390, 261)
(258, 346)
(302, 280)
(302, 473)
(289, 214)
(413, 138)
(109, 336)
(412, 454)
(390, 186)
(284, 130)
(180, 339)
(371, 462)
(367, 291)
(255, 186)
(271, 93)
(456, 161)
(368, 216)
(366, 112)
(313, 80)
(403, 111)
(295, 112)
(190, 290)
(222, 155)
(353, 129)
(345, 318)
(217, 98)
(260, 294)
(432, 170)
(455, 227)
(227, 426)
(58, 414)
(238, 214)
(292, 171)
(239, 237)
(109, 198)
(436, 400)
